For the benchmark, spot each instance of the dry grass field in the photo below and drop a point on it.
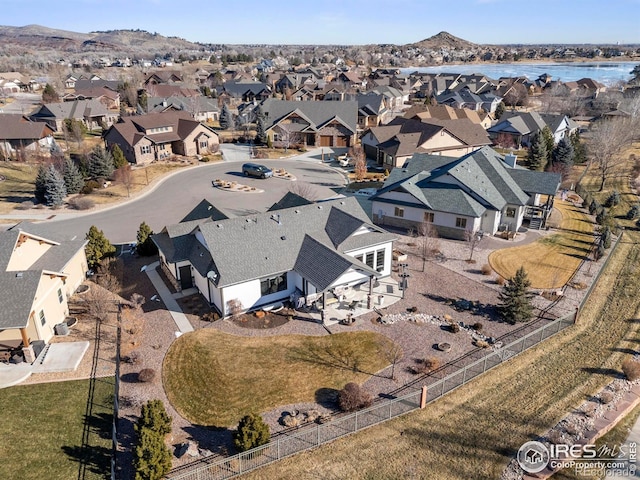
(212, 377)
(551, 261)
(475, 431)
(17, 186)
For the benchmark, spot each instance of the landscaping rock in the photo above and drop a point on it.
(192, 450)
(181, 449)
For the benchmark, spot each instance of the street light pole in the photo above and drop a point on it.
(404, 282)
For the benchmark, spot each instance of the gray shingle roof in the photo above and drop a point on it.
(482, 181)
(270, 243)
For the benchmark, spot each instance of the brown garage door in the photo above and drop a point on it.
(342, 142)
(326, 141)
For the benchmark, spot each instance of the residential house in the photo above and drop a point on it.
(171, 90)
(517, 129)
(156, 136)
(37, 277)
(162, 76)
(203, 109)
(13, 82)
(323, 124)
(396, 98)
(393, 144)
(18, 135)
(235, 93)
(92, 113)
(372, 110)
(266, 258)
(445, 112)
(481, 192)
(465, 98)
(108, 97)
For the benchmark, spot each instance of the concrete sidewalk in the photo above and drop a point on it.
(182, 322)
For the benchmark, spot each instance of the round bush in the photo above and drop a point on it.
(146, 375)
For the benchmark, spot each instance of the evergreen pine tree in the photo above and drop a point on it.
(100, 163)
(550, 143)
(41, 186)
(55, 190)
(252, 432)
(49, 94)
(225, 117)
(500, 110)
(579, 148)
(145, 245)
(261, 134)
(72, 177)
(152, 458)
(537, 156)
(98, 247)
(515, 298)
(119, 159)
(563, 154)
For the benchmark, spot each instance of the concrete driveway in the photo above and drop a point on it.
(232, 152)
(174, 197)
(23, 103)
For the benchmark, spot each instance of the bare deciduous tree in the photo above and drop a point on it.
(124, 175)
(288, 136)
(473, 240)
(100, 303)
(392, 352)
(429, 241)
(305, 190)
(606, 141)
(357, 153)
(234, 307)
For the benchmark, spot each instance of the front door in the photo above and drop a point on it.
(185, 277)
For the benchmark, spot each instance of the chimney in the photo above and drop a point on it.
(510, 159)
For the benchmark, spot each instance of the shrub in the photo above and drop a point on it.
(430, 364)
(500, 280)
(634, 212)
(412, 309)
(606, 398)
(631, 369)
(146, 375)
(482, 344)
(613, 199)
(152, 458)
(353, 397)
(251, 432)
(454, 327)
(477, 326)
(89, 187)
(594, 207)
(133, 358)
(25, 205)
(486, 269)
(80, 203)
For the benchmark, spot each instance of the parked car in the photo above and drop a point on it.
(255, 170)
(376, 169)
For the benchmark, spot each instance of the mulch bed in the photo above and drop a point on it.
(270, 320)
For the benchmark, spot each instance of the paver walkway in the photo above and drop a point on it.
(172, 306)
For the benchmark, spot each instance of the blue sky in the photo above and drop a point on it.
(344, 21)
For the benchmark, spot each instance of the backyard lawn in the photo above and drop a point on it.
(41, 432)
(214, 378)
(551, 261)
(17, 182)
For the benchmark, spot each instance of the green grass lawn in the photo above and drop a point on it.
(552, 260)
(214, 378)
(41, 432)
(18, 184)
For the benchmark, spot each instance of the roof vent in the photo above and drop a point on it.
(319, 207)
(218, 225)
(19, 275)
(283, 237)
(297, 211)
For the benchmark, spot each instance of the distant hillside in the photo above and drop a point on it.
(39, 37)
(443, 39)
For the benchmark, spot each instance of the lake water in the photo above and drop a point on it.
(607, 73)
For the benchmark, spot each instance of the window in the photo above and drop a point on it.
(369, 259)
(273, 284)
(398, 212)
(145, 149)
(428, 217)
(43, 320)
(204, 143)
(511, 212)
(276, 137)
(162, 146)
(60, 297)
(461, 222)
(380, 260)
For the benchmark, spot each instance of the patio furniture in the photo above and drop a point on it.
(354, 304)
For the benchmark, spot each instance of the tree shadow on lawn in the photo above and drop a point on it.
(327, 398)
(608, 372)
(629, 351)
(90, 457)
(333, 356)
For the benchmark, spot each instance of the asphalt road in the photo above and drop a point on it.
(172, 199)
